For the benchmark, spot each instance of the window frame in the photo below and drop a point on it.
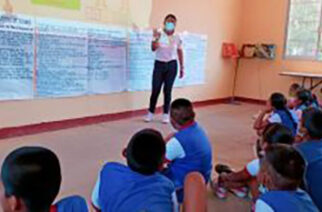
(319, 41)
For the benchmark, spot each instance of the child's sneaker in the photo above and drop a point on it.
(240, 192)
(218, 191)
(149, 117)
(221, 168)
(165, 119)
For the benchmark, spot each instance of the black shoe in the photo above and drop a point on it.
(221, 168)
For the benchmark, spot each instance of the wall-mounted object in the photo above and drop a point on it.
(266, 51)
(261, 51)
(230, 50)
(248, 51)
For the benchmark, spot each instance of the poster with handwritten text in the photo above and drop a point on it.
(53, 58)
(17, 57)
(107, 58)
(62, 59)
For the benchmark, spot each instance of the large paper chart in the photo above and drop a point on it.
(107, 49)
(141, 60)
(62, 59)
(195, 51)
(16, 61)
(50, 58)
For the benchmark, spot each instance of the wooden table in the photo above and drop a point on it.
(305, 76)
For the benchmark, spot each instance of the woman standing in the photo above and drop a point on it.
(167, 46)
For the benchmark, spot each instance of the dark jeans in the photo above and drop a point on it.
(163, 73)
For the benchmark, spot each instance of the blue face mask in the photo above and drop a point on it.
(169, 26)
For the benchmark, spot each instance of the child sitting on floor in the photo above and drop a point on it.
(282, 171)
(311, 150)
(294, 88)
(239, 182)
(277, 112)
(304, 100)
(189, 149)
(138, 186)
(30, 182)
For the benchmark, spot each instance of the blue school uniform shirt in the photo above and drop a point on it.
(197, 155)
(285, 201)
(303, 107)
(289, 120)
(119, 189)
(312, 153)
(71, 204)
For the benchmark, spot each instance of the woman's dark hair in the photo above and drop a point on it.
(312, 121)
(277, 134)
(32, 174)
(170, 16)
(182, 111)
(145, 151)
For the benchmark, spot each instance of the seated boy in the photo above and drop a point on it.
(138, 186)
(31, 179)
(189, 149)
(237, 182)
(311, 150)
(282, 171)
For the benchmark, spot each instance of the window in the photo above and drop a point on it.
(303, 40)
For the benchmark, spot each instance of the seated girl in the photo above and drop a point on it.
(239, 182)
(277, 112)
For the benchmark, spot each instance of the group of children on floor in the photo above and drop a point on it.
(286, 175)
(152, 180)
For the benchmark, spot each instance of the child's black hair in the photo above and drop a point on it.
(295, 86)
(32, 174)
(279, 102)
(170, 16)
(276, 133)
(145, 151)
(182, 111)
(305, 96)
(312, 121)
(288, 166)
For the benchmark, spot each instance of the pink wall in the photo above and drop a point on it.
(265, 21)
(219, 19)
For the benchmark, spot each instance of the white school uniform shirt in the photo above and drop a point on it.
(174, 150)
(169, 46)
(253, 167)
(275, 118)
(262, 206)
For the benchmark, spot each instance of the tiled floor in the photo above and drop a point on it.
(82, 151)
